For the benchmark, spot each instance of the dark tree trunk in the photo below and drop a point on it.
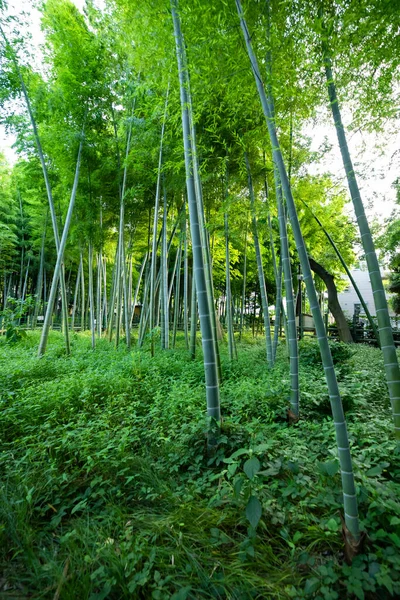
(333, 302)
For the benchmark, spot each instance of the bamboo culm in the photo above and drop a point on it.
(60, 256)
(229, 316)
(155, 227)
(243, 302)
(193, 320)
(346, 467)
(91, 296)
(385, 329)
(205, 242)
(48, 190)
(139, 281)
(78, 276)
(39, 287)
(290, 308)
(177, 294)
(260, 270)
(278, 283)
(185, 286)
(164, 283)
(204, 301)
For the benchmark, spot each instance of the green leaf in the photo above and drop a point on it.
(395, 539)
(395, 521)
(251, 467)
(183, 593)
(388, 583)
(312, 585)
(253, 511)
(331, 467)
(374, 471)
(80, 506)
(239, 452)
(297, 536)
(332, 525)
(262, 447)
(237, 487)
(232, 468)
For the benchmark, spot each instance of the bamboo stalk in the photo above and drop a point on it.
(260, 269)
(346, 467)
(205, 302)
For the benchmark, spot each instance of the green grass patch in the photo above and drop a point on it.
(107, 490)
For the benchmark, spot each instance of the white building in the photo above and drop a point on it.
(348, 299)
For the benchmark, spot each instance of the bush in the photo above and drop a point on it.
(310, 354)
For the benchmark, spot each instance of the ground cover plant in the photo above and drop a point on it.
(108, 491)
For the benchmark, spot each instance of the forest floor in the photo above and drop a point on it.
(106, 489)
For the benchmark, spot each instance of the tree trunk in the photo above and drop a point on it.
(333, 302)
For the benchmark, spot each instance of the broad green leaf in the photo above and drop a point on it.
(374, 472)
(332, 525)
(312, 585)
(251, 467)
(331, 467)
(238, 486)
(253, 511)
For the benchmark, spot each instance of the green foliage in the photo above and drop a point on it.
(10, 318)
(310, 354)
(104, 465)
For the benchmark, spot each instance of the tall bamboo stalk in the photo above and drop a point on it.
(177, 292)
(155, 227)
(382, 312)
(91, 296)
(75, 302)
(143, 313)
(60, 257)
(205, 302)
(346, 467)
(278, 282)
(48, 188)
(243, 302)
(204, 236)
(39, 287)
(138, 287)
(229, 316)
(290, 308)
(260, 269)
(82, 293)
(185, 286)
(164, 283)
(193, 320)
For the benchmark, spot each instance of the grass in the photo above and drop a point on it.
(107, 490)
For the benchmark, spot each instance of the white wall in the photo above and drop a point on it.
(349, 298)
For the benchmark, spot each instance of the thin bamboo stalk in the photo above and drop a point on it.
(164, 286)
(229, 320)
(260, 269)
(60, 257)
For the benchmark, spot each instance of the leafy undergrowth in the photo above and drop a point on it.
(107, 490)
